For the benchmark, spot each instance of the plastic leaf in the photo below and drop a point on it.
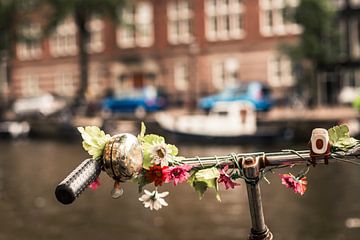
(340, 138)
(142, 131)
(174, 149)
(208, 173)
(151, 138)
(201, 188)
(94, 140)
(203, 179)
(147, 160)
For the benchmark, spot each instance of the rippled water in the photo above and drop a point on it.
(30, 170)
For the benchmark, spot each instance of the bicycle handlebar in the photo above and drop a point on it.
(77, 181)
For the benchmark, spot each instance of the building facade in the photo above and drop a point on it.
(347, 74)
(186, 47)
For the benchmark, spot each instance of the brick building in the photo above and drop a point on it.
(187, 47)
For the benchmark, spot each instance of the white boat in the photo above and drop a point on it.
(226, 119)
(14, 129)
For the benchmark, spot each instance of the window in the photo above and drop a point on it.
(96, 27)
(137, 27)
(280, 72)
(179, 21)
(95, 84)
(342, 38)
(31, 47)
(276, 17)
(181, 75)
(65, 84)
(355, 37)
(224, 19)
(224, 72)
(355, 3)
(338, 4)
(63, 41)
(30, 86)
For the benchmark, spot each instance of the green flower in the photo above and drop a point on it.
(94, 140)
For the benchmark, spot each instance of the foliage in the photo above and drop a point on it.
(14, 14)
(319, 40)
(82, 11)
(318, 45)
(94, 140)
(203, 179)
(356, 103)
(340, 138)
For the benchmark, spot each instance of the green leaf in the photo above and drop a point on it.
(152, 138)
(207, 174)
(147, 160)
(338, 132)
(94, 140)
(200, 187)
(142, 181)
(174, 149)
(217, 191)
(142, 131)
(203, 179)
(340, 138)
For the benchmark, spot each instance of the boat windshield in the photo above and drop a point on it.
(234, 91)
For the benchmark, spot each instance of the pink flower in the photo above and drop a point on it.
(226, 179)
(178, 174)
(95, 184)
(296, 184)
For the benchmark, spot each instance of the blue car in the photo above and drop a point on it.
(138, 102)
(254, 92)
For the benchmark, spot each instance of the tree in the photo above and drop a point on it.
(82, 11)
(318, 46)
(13, 15)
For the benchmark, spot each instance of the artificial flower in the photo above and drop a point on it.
(156, 151)
(156, 174)
(160, 153)
(296, 184)
(178, 174)
(154, 200)
(226, 179)
(95, 184)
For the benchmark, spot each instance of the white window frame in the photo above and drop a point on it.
(354, 37)
(279, 25)
(137, 29)
(224, 20)
(63, 41)
(96, 29)
(355, 3)
(65, 84)
(225, 72)
(96, 86)
(280, 72)
(30, 49)
(179, 14)
(338, 4)
(181, 75)
(30, 85)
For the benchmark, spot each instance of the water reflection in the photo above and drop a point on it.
(30, 169)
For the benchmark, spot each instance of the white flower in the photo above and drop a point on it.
(154, 200)
(161, 153)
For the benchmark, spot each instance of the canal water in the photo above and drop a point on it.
(31, 169)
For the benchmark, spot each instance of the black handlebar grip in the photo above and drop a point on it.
(77, 181)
